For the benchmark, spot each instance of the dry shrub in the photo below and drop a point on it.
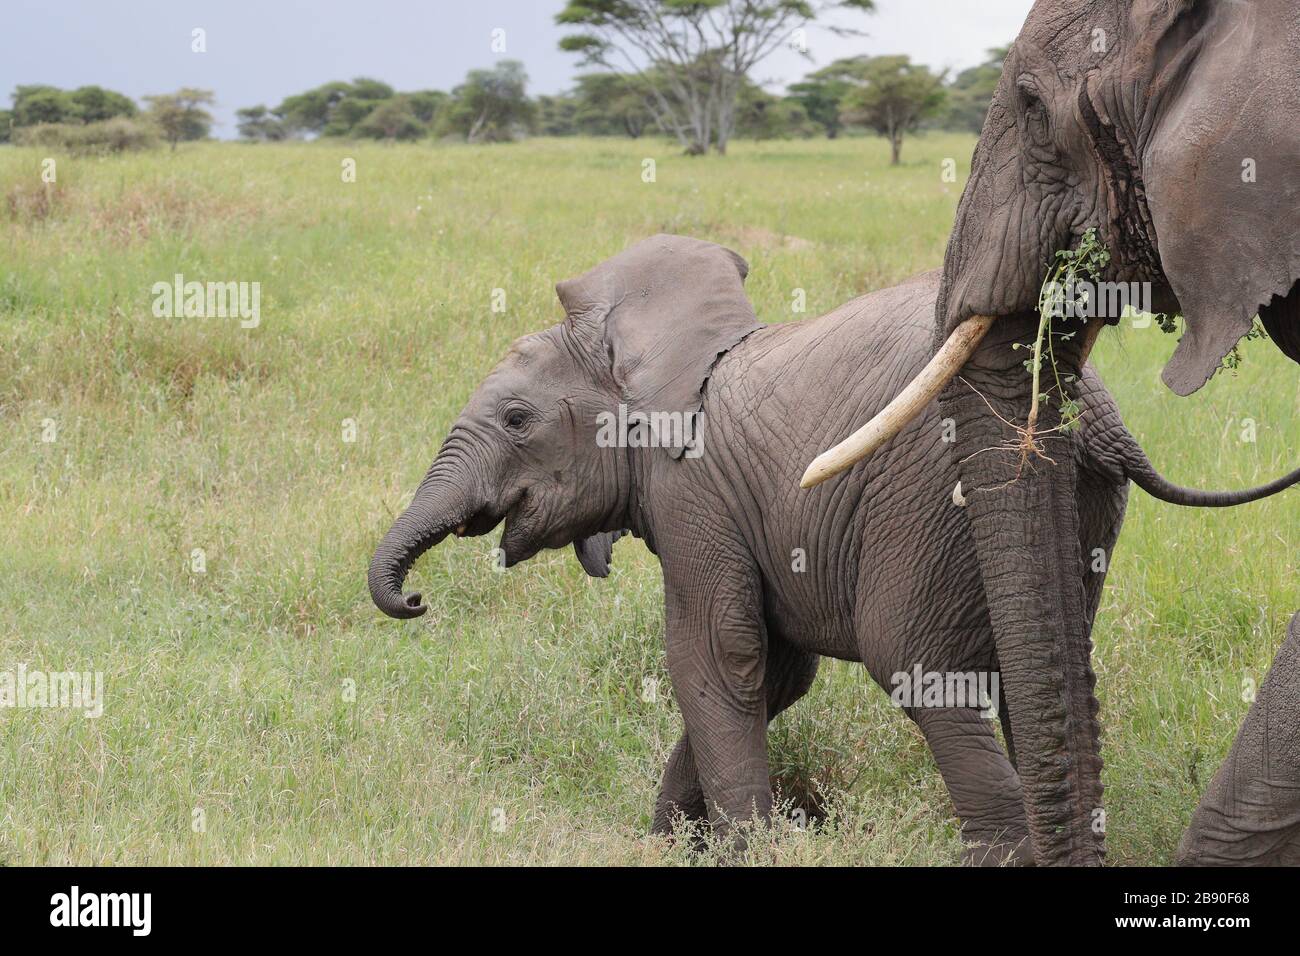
(141, 211)
(117, 135)
(29, 202)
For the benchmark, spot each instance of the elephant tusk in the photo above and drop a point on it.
(909, 403)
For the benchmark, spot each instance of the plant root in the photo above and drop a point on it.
(1028, 445)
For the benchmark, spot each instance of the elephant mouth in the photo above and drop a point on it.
(518, 542)
(479, 523)
(516, 539)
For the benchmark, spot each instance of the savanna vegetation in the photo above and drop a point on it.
(262, 711)
(681, 70)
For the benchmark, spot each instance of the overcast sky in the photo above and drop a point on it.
(259, 51)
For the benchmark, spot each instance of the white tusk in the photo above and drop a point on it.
(909, 403)
(957, 497)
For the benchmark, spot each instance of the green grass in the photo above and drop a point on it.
(230, 691)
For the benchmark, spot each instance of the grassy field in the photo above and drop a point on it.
(264, 712)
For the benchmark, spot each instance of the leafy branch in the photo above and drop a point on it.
(1060, 294)
(1064, 292)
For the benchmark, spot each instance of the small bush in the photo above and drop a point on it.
(117, 135)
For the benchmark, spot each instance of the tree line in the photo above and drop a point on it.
(675, 68)
(887, 95)
(93, 119)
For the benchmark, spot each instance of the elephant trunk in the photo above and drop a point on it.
(1109, 446)
(1139, 470)
(1025, 526)
(440, 506)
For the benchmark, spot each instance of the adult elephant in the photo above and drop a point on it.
(1170, 127)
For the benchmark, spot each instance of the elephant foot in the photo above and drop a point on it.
(685, 821)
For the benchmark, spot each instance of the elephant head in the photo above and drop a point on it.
(1168, 126)
(539, 443)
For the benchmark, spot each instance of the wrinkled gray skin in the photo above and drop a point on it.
(1138, 118)
(890, 577)
(1250, 815)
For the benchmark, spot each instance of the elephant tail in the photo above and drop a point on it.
(1138, 468)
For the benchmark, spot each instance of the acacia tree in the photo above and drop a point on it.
(611, 102)
(86, 104)
(259, 124)
(820, 94)
(181, 115)
(332, 109)
(394, 118)
(491, 105)
(892, 95)
(37, 103)
(309, 112)
(95, 104)
(692, 55)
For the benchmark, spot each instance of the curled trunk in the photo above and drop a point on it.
(1140, 472)
(439, 506)
(1111, 447)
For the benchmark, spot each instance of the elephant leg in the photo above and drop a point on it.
(680, 793)
(984, 787)
(787, 677)
(1250, 813)
(717, 650)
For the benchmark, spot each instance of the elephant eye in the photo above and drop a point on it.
(516, 419)
(1035, 111)
(1027, 89)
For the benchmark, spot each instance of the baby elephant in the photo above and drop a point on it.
(662, 407)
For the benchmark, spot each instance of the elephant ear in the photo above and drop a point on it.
(662, 310)
(596, 552)
(1221, 165)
